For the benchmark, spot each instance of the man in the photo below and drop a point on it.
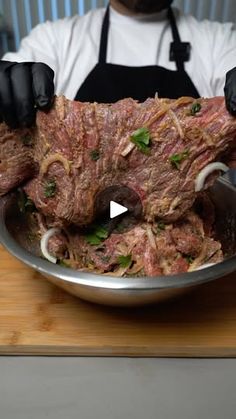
(135, 48)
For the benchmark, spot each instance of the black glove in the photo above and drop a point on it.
(24, 87)
(230, 91)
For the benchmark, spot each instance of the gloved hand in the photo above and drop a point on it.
(24, 87)
(230, 91)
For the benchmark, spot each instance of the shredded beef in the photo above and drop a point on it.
(150, 250)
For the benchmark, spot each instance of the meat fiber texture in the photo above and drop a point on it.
(83, 148)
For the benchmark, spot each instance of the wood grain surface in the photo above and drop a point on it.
(39, 318)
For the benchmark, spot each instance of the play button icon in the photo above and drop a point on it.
(116, 209)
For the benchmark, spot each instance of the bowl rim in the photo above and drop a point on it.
(94, 280)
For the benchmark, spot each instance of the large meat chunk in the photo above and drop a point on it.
(80, 149)
(16, 160)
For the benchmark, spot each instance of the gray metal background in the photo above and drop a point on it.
(19, 16)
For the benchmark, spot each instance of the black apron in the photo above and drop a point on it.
(108, 83)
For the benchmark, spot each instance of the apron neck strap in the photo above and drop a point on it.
(174, 29)
(104, 37)
(178, 51)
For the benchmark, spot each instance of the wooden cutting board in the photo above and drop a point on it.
(38, 318)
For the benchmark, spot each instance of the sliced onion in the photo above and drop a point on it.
(204, 173)
(56, 157)
(176, 123)
(44, 244)
(206, 265)
(151, 238)
(128, 149)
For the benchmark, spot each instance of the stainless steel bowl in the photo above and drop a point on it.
(125, 291)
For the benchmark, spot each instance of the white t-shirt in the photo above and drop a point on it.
(70, 46)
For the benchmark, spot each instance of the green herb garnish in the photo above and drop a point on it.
(92, 239)
(141, 138)
(160, 227)
(125, 261)
(50, 188)
(176, 159)
(101, 232)
(95, 155)
(195, 108)
(189, 259)
(96, 235)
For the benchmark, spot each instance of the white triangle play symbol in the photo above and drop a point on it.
(116, 209)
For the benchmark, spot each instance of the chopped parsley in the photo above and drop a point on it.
(50, 188)
(160, 227)
(176, 159)
(93, 239)
(189, 259)
(125, 261)
(95, 155)
(96, 235)
(195, 108)
(141, 138)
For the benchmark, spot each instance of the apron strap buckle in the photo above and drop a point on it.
(180, 51)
